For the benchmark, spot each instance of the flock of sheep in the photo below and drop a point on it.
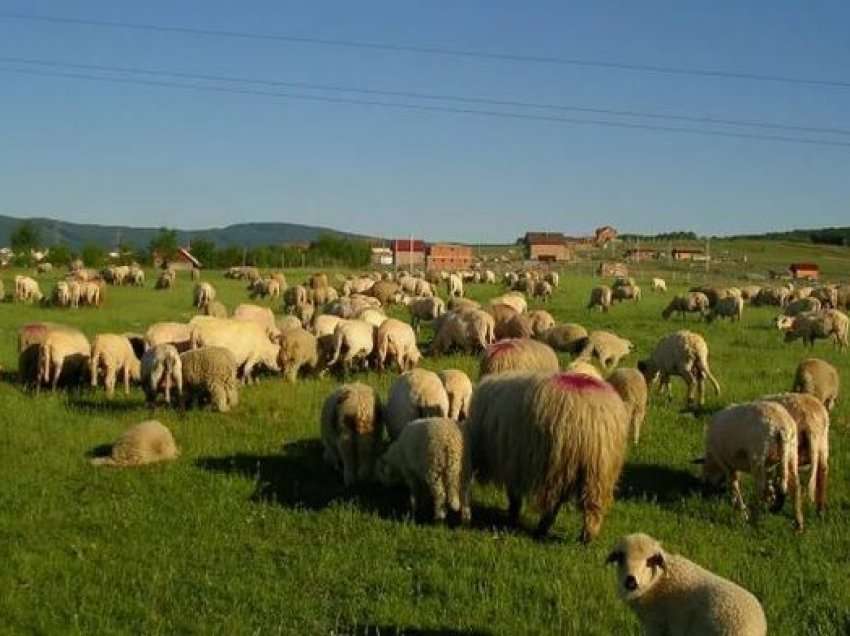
(543, 433)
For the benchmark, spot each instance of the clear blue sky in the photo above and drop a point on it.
(97, 152)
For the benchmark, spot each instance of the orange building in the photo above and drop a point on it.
(448, 256)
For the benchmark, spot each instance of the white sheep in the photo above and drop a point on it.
(600, 297)
(819, 378)
(631, 385)
(247, 341)
(454, 285)
(459, 389)
(161, 369)
(299, 350)
(203, 295)
(731, 307)
(823, 324)
(113, 354)
(607, 347)
(659, 285)
(424, 308)
(142, 444)
(673, 596)
(62, 354)
(692, 302)
(210, 373)
(174, 333)
(415, 394)
(351, 429)
(683, 353)
(353, 341)
(396, 341)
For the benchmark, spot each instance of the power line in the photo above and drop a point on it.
(431, 108)
(432, 50)
(429, 96)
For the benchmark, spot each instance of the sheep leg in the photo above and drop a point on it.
(796, 494)
(438, 497)
(546, 521)
(109, 380)
(737, 497)
(514, 508)
(126, 380)
(57, 371)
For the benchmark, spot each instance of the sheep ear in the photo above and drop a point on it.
(615, 557)
(699, 461)
(656, 561)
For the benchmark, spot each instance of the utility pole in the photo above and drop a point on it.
(707, 253)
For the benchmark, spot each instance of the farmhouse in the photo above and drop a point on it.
(804, 270)
(382, 256)
(448, 256)
(182, 260)
(612, 269)
(687, 254)
(546, 246)
(637, 254)
(408, 252)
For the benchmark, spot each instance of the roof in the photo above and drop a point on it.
(813, 266)
(406, 245)
(544, 238)
(185, 254)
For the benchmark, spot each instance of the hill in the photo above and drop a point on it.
(249, 235)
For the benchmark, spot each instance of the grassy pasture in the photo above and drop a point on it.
(248, 533)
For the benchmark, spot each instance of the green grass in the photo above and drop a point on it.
(249, 533)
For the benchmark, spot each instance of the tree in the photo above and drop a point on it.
(60, 254)
(204, 251)
(93, 255)
(164, 243)
(25, 237)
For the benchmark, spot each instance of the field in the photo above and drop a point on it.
(249, 533)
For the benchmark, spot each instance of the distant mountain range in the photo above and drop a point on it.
(76, 235)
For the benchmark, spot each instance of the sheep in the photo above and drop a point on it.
(801, 306)
(91, 293)
(753, 437)
(811, 326)
(626, 292)
(27, 290)
(607, 347)
(387, 292)
(396, 341)
(44, 268)
(215, 309)
(503, 316)
(137, 276)
(566, 337)
(692, 302)
(454, 286)
(459, 389)
(676, 597)
(415, 394)
(489, 277)
(203, 295)
(683, 353)
(299, 350)
(623, 281)
(145, 443)
(353, 340)
(114, 354)
(351, 430)
(659, 285)
(541, 321)
(166, 279)
(450, 331)
(175, 333)
(30, 338)
(517, 326)
(462, 304)
(585, 368)
(731, 307)
(543, 290)
(600, 297)
(819, 378)
(749, 292)
(161, 368)
(62, 354)
(827, 295)
(375, 317)
(430, 456)
(511, 299)
(553, 278)
(812, 420)
(631, 385)
(552, 436)
(842, 297)
(247, 341)
(323, 325)
(424, 308)
(262, 316)
(293, 297)
(210, 372)
(518, 354)
(777, 296)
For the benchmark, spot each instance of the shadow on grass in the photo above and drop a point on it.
(661, 484)
(103, 450)
(115, 405)
(398, 630)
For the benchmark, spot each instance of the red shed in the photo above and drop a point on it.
(804, 270)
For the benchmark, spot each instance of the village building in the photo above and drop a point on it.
(381, 256)
(182, 260)
(804, 270)
(612, 269)
(408, 253)
(546, 246)
(638, 254)
(687, 254)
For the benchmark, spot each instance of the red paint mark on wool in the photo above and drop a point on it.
(500, 347)
(580, 382)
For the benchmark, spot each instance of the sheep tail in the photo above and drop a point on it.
(706, 372)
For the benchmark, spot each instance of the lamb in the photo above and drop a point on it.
(811, 326)
(161, 368)
(175, 333)
(396, 341)
(542, 289)
(676, 597)
(659, 285)
(215, 309)
(424, 308)
(63, 354)
(203, 295)
(683, 353)
(415, 394)
(552, 436)
(541, 321)
(752, 438)
(631, 385)
(299, 350)
(566, 337)
(692, 302)
(454, 286)
(459, 389)
(430, 456)
(626, 292)
(607, 347)
(353, 340)
(210, 373)
(518, 354)
(819, 378)
(145, 443)
(731, 307)
(812, 420)
(351, 428)
(600, 297)
(113, 354)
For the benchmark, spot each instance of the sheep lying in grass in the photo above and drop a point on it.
(676, 597)
(753, 438)
(161, 369)
(565, 337)
(113, 354)
(145, 443)
(550, 436)
(607, 347)
(430, 456)
(299, 350)
(415, 394)
(819, 378)
(600, 297)
(351, 429)
(683, 353)
(631, 385)
(210, 373)
(690, 303)
(518, 354)
(459, 389)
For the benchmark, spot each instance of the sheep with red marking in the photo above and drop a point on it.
(518, 354)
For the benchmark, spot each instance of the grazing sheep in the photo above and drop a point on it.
(27, 290)
(351, 429)
(323, 325)
(415, 394)
(600, 297)
(801, 306)
(387, 292)
(607, 347)
(543, 290)
(166, 279)
(541, 322)
(63, 354)
(659, 285)
(511, 299)
(480, 329)
(293, 297)
(299, 350)
(375, 317)
(489, 277)
(262, 316)
(431, 458)
(203, 295)
(827, 295)
(824, 324)
(502, 317)
(30, 338)
(685, 354)
(175, 333)
(247, 341)
(161, 369)
(44, 268)
(518, 354)
(776, 296)
(353, 341)
(113, 354)
(753, 438)
(459, 389)
(552, 437)
(819, 378)
(692, 302)
(454, 286)
(517, 326)
(424, 308)
(731, 307)
(553, 278)
(676, 597)
(396, 341)
(145, 443)
(626, 292)
(583, 367)
(567, 337)
(305, 314)
(215, 309)
(812, 421)
(631, 385)
(210, 373)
